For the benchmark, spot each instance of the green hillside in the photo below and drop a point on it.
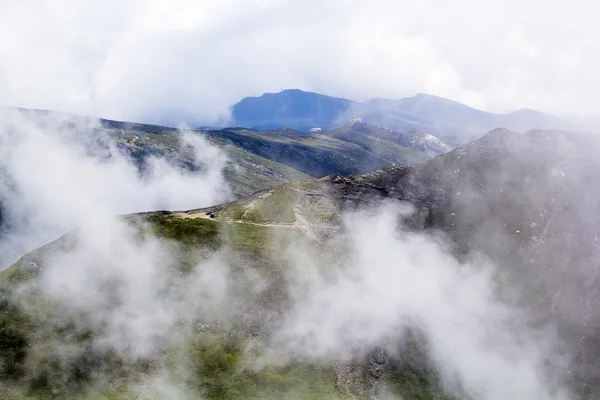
(222, 358)
(515, 200)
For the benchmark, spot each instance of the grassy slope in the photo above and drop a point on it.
(245, 171)
(218, 357)
(342, 151)
(264, 159)
(311, 153)
(389, 151)
(396, 147)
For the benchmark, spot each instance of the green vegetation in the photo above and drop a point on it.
(13, 342)
(223, 372)
(258, 160)
(343, 151)
(223, 362)
(245, 172)
(384, 147)
(207, 234)
(276, 205)
(186, 231)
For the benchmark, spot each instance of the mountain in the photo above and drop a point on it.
(252, 160)
(447, 119)
(291, 108)
(354, 148)
(526, 202)
(527, 119)
(225, 349)
(244, 171)
(451, 113)
(383, 139)
(257, 159)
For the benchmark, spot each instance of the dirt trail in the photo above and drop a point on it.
(300, 223)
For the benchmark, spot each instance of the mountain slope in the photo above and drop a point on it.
(290, 108)
(452, 114)
(529, 202)
(256, 159)
(354, 148)
(245, 171)
(526, 201)
(359, 132)
(447, 119)
(251, 160)
(223, 348)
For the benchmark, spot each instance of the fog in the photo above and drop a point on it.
(393, 280)
(128, 290)
(59, 172)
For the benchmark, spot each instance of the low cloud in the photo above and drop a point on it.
(392, 280)
(386, 280)
(125, 288)
(57, 174)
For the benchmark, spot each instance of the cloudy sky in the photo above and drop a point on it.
(153, 60)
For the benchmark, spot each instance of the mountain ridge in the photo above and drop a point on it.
(445, 118)
(345, 156)
(526, 201)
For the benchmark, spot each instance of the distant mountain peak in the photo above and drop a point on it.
(444, 118)
(291, 108)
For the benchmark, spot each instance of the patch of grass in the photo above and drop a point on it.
(250, 242)
(222, 369)
(222, 372)
(237, 213)
(278, 206)
(187, 231)
(13, 339)
(14, 274)
(252, 216)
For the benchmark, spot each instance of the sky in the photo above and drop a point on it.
(189, 61)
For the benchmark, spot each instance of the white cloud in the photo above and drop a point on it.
(391, 280)
(385, 281)
(50, 182)
(190, 60)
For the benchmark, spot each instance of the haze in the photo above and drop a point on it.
(324, 256)
(189, 61)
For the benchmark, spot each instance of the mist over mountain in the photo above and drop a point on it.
(444, 279)
(416, 217)
(447, 119)
(251, 160)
